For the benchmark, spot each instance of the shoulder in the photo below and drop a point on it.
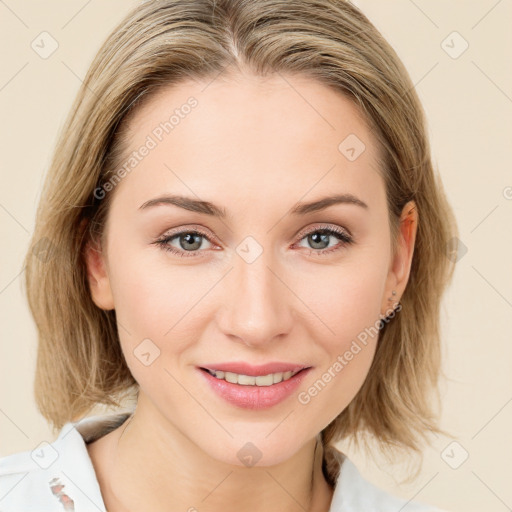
(354, 493)
(54, 476)
(38, 479)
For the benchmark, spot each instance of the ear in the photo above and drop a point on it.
(97, 275)
(400, 267)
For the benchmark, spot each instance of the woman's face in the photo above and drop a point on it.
(241, 271)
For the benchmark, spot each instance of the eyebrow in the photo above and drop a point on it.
(209, 208)
(325, 202)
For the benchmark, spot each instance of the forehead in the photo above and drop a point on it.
(240, 132)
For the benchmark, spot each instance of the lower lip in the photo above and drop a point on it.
(254, 397)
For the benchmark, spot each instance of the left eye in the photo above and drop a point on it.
(318, 237)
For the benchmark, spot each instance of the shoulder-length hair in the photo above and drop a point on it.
(79, 361)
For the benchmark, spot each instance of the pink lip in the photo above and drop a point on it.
(253, 371)
(255, 397)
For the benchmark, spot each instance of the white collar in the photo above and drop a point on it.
(66, 462)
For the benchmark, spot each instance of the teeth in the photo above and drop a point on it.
(248, 380)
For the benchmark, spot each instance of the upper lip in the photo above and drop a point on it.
(255, 370)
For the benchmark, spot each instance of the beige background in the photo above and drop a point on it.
(468, 101)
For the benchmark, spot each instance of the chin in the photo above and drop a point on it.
(248, 451)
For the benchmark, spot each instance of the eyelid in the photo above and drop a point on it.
(299, 236)
(318, 227)
(190, 228)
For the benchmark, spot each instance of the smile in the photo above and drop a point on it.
(254, 391)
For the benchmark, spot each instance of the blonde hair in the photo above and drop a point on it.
(79, 361)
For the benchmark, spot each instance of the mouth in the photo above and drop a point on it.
(256, 392)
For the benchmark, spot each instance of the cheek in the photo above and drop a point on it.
(346, 302)
(152, 320)
(343, 300)
(159, 310)
(150, 294)
(142, 298)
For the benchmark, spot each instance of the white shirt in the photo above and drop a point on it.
(59, 476)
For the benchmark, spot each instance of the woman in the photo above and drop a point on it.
(243, 232)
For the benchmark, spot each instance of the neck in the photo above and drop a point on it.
(147, 464)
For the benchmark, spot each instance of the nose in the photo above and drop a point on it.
(257, 305)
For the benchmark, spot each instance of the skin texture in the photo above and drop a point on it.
(255, 147)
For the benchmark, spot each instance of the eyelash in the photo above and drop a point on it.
(344, 238)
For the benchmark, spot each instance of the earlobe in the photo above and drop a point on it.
(97, 276)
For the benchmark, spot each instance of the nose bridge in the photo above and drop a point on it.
(256, 305)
